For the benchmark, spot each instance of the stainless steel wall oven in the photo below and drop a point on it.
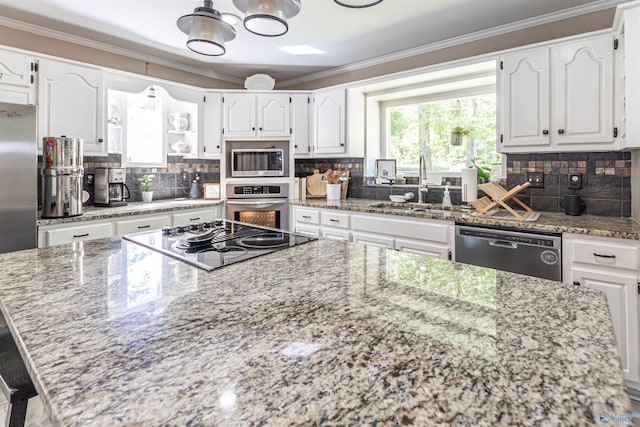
(265, 204)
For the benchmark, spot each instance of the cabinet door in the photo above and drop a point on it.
(583, 91)
(524, 100)
(239, 115)
(621, 292)
(372, 240)
(71, 103)
(329, 109)
(308, 230)
(16, 78)
(300, 124)
(274, 115)
(335, 234)
(212, 139)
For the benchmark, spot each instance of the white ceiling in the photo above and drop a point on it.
(147, 29)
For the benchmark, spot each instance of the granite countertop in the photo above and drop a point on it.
(604, 226)
(131, 209)
(330, 333)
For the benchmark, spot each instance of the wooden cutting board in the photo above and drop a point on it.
(316, 189)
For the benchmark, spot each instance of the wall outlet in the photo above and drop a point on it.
(535, 178)
(90, 178)
(575, 181)
(184, 176)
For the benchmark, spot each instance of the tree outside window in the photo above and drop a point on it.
(425, 128)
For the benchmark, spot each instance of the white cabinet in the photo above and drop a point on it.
(144, 223)
(427, 237)
(628, 74)
(70, 100)
(579, 113)
(194, 216)
(263, 115)
(301, 124)
(611, 266)
(17, 78)
(51, 236)
(212, 139)
(329, 122)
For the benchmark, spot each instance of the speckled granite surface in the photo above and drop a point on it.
(136, 208)
(326, 333)
(624, 228)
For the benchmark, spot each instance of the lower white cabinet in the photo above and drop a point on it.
(193, 216)
(428, 237)
(611, 266)
(74, 233)
(145, 223)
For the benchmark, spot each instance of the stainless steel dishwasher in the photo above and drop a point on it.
(534, 254)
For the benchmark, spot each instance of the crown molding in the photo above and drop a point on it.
(455, 41)
(130, 53)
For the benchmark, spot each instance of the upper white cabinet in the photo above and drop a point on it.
(249, 115)
(212, 139)
(17, 78)
(300, 123)
(627, 21)
(558, 98)
(70, 98)
(329, 128)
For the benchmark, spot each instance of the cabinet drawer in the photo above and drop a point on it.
(308, 230)
(193, 217)
(334, 219)
(606, 254)
(307, 216)
(78, 234)
(141, 224)
(419, 230)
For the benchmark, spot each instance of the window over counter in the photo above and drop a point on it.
(447, 114)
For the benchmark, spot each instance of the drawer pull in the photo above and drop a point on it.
(140, 227)
(75, 236)
(334, 220)
(194, 219)
(306, 216)
(603, 256)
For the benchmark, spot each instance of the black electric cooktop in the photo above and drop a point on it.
(214, 244)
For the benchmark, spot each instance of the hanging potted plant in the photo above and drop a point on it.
(146, 183)
(457, 135)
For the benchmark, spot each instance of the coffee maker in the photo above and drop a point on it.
(110, 187)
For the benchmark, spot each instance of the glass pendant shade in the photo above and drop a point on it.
(268, 17)
(207, 30)
(357, 3)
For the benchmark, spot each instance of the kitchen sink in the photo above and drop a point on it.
(415, 207)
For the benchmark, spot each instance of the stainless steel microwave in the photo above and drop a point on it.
(246, 162)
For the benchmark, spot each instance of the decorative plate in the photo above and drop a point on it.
(259, 82)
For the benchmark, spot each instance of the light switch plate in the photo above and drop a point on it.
(535, 178)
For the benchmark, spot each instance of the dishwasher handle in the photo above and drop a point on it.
(503, 244)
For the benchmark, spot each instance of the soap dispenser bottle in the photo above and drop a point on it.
(446, 199)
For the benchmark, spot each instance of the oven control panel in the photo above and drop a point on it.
(237, 191)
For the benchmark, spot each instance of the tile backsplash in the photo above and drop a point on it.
(167, 183)
(606, 176)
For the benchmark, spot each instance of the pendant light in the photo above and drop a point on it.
(357, 4)
(207, 30)
(268, 17)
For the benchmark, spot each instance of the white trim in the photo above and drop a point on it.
(58, 35)
(455, 41)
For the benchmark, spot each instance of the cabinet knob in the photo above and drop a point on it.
(560, 131)
(261, 129)
(545, 131)
(253, 128)
(217, 146)
(295, 146)
(100, 140)
(576, 283)
(342, 144)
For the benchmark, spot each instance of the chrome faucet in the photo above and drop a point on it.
(422, 177)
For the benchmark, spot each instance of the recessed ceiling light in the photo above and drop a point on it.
(231, 19)
(301, 49)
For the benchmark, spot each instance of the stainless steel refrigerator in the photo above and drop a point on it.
(18, 177)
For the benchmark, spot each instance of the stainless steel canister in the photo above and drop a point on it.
(62, 175)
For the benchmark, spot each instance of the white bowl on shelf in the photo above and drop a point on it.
(181, 147)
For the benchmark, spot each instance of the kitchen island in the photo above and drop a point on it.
(321, 333)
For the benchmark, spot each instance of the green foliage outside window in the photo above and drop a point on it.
(426, 129)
